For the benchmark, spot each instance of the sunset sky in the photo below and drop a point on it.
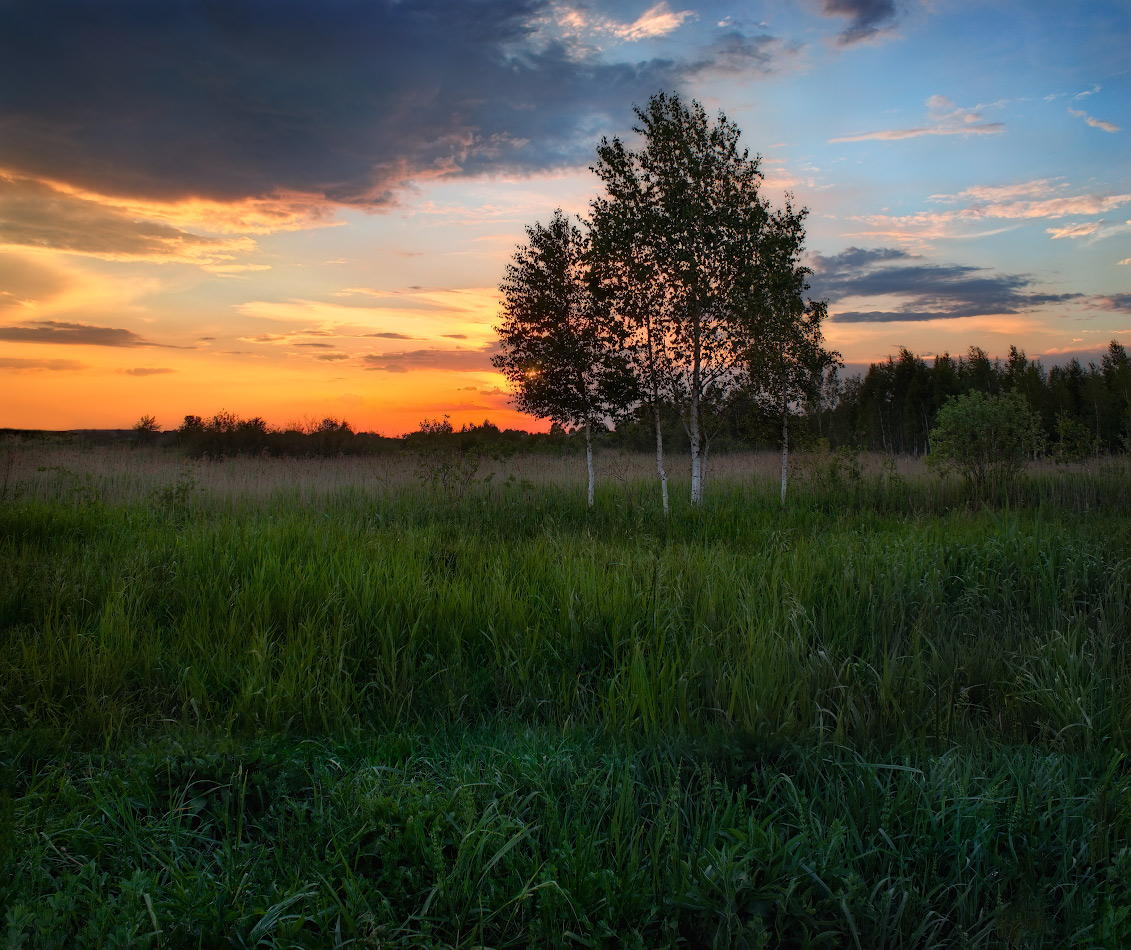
(300, 209)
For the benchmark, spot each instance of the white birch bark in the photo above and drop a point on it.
(784, 448)
(696, 392)
(696, 461)
(589, 460)
(660, 460)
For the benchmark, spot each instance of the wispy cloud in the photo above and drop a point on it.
(19, 365)
(258, 214)
(1038, 188)
(1074, 230)
(75, 334)
(1053, 96)
(1120, 303)
(867, 19)
(459, 360)
(147, 371)
(416, 313)
(1049, 207)
(29, 281)
(658, 20)
(738, 53)
(35, 214)
(1033, 200)
(1094, 122)
(914, 290)
(299, 337)
(922, 227)
(944, 117)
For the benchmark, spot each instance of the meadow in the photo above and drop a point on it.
(270, 702)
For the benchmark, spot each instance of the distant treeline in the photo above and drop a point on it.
(1084, 410)
(226, 434)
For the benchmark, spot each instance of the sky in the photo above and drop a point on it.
(304, 209)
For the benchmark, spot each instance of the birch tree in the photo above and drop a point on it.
(787, 361)
(628, 289)
(561, 351)
(682, 220)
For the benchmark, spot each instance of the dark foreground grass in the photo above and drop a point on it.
(507, 721)
(494, 837)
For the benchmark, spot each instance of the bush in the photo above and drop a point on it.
(1075, 441)
(446, 464)
(985, 438)
(832, 471)
(146, 430)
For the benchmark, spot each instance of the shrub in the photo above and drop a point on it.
(445, 463)
(145, 430)
(833, 471)
(1075, 441)
(985, 438)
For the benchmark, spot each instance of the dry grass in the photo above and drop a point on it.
(47, 471)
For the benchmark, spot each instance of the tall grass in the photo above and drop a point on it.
(300, 710)
(836, 481)
(852, 626)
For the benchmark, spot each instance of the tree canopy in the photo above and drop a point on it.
(560, 350)
(985, 438)
(787, 361)
(678, 239)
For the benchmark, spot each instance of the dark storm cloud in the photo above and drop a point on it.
(866, 18)
(342, 99)
(933, 291)
(80, 334)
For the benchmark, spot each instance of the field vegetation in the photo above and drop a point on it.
(316, 702)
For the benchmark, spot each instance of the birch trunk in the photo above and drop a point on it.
(696, 387)
(784, 449)
(589, 460)
(660, 460)
(696, 461)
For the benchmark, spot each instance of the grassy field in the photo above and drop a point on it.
(313, 703)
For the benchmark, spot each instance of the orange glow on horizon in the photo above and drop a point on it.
(46, 391)
(250, 316)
